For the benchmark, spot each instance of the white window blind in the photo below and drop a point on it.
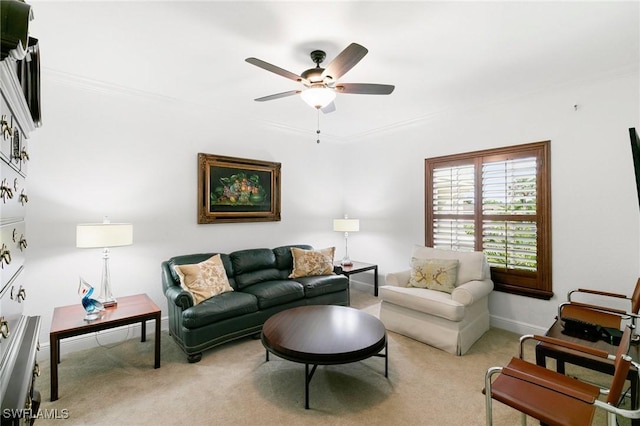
(453, 199)
(509, 237)
(509, 187)
(453, 190)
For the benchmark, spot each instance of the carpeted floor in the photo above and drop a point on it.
(233, 385)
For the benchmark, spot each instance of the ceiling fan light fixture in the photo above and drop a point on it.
(318, 97)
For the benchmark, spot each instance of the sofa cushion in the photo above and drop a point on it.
(312, 262)
(323, 284)
(253, 266)
(274, 293)
(250, 278)
(252, 259)
(435, 274)
(284, 258)
(218, 308)
(197, 258)
(205, 279)
(470, 263)
(430, 302)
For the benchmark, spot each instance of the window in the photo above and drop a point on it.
(497, 201)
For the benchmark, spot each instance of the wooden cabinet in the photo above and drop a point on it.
(19, 334)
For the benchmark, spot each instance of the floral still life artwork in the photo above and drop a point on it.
(232, 189)
(91, 306)
(239, 189)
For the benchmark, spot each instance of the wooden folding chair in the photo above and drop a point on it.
(556, 399)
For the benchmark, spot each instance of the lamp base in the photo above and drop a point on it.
(346, 262)
(111, 303)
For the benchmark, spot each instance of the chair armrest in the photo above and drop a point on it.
(599, 353)
(596, 292)
(472, 291)
(398, 279)
(179, 297)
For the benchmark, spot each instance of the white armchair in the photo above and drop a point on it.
(448, 321)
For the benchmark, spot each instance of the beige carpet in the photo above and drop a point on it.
(233, 385)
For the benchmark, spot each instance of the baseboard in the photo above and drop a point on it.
(108, 338)
(361, 285)
(517, 327)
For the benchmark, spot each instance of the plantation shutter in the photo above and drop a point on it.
(454, 207)
(509, 232)
(496, 201)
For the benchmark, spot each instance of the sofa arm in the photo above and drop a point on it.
(179, 297)
(398, 279)
(472, 291)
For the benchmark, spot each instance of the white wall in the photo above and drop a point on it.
(105, 151)
(595, 216)
(134, 159)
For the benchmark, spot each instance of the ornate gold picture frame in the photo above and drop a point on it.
(234, 189)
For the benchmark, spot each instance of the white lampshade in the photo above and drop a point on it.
(346, 225)
(101, 235)
(318, 97)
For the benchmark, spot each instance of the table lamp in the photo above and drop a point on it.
(104, 235)
(346, 225)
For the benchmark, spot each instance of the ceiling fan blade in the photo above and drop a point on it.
(329, 108)
(274, 69)
(278, 96)
(365, 88)
(346, 60)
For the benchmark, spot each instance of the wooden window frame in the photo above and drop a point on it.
(538, 284)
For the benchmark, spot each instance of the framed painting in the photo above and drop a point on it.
(237, 190)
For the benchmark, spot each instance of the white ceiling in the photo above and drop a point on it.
(441, 56)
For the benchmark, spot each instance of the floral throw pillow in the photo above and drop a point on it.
(434, 274)
(205, 279)
(312, 262)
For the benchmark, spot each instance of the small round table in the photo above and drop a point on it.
(324, 335)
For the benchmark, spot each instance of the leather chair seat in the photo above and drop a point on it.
(526, 387)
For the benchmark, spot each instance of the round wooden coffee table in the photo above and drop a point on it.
(324, 335)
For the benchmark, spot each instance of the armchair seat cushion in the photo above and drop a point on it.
(218, 308)
(432, 302)
(276, 292)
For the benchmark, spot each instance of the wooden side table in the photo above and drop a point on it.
(358, 267)
(68, 321)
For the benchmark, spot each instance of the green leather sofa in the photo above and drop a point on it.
(262, 288)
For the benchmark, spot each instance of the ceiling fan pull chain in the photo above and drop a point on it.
(318, 131)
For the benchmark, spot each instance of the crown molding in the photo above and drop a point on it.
(97, 86)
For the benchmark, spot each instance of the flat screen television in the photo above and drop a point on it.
(635, 151)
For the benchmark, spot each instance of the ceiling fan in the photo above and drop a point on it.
(320, 84)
